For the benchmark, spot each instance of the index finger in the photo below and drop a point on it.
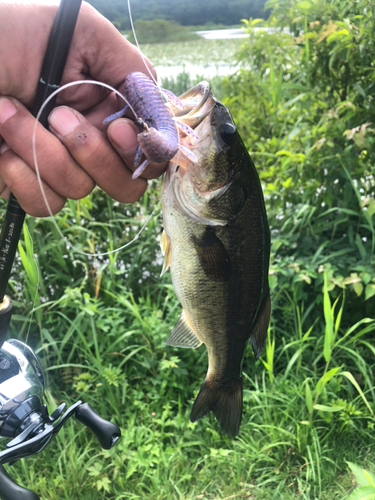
(109, 56)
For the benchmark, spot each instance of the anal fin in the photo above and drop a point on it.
(182, 335)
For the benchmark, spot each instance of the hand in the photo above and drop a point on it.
(76, 153)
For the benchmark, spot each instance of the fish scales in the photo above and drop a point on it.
(217, 246)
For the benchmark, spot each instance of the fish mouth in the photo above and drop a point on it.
(192, 184)
(206, 115)
(198, 103)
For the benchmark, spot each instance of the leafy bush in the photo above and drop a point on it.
(303, 104)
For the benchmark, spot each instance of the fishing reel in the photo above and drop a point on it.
(24, 419)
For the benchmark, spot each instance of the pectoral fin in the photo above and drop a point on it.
(182, 335)
(259, 334)
(213, 256)
(166, 248)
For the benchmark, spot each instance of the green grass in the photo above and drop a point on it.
(104, 343)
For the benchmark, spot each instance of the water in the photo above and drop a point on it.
(213, 55)
(222, 34)
(233, 33)
(207, 71)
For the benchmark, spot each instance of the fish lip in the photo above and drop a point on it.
(198, 104)
(205, 117)
(213, 115)
(202, 90)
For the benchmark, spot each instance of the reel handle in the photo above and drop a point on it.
(106, 432)
(10, 490)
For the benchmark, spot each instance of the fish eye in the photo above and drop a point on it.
(228, 133)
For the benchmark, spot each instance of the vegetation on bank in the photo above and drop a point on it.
(304, 107)
(185, 13)
(161, 31)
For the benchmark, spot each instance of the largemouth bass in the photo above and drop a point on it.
(216, 242)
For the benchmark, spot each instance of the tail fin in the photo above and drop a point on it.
(224, 400)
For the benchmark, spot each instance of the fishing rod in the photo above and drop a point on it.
(24, 419)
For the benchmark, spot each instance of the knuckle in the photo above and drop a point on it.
(133, 192)
(38, 207)
(57, 204)
(82, 190)
(97, 154)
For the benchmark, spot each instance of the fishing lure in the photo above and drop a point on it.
(159, 138)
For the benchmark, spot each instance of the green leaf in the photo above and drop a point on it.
(369, 477)
(28, 259)
(304, 5)
(272, 280)
(366, 277)
(350, 377)
(369, 291)
(28, 240)
(29, 265)
(363, 493)
(358, 474)
(360, 90)
(292, 360)
(308, 397)
(104, 483)
(328, 316)
(360, 246)
(324, 379)
(131, 469)
(329, 409)
(358, 288)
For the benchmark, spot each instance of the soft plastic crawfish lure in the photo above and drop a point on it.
(159, 138)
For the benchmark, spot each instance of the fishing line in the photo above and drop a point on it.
(37, 171)
(93, 82)
(138, 47)
(157, 85)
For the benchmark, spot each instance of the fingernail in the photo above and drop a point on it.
(124, 135)
(63, 120)
(7, 109)
(4, 147)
